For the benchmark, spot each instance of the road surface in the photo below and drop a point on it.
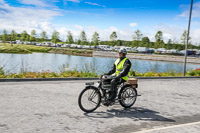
(166, 105)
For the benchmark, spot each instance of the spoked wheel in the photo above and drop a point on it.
(127, 96)
(89, 99)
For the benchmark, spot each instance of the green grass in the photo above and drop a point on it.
(154, 74)
(27, 49)
(22, 49)
(48, 74)
(86, 73)
(71, 51)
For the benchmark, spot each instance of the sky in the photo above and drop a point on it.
(102, 16)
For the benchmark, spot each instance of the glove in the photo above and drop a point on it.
(117, 78)
(103, 76)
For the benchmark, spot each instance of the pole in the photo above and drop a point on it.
(188, 33)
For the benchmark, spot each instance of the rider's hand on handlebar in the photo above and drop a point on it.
(103, 76)
(117, 78)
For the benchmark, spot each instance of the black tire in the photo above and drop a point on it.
(127, 92)
(92, 92)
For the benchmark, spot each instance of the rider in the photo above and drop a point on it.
(121, 71)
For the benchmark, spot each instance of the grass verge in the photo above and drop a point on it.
(75, 73)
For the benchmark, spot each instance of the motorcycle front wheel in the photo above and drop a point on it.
(89, 99)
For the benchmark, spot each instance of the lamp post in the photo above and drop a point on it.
(188, 33)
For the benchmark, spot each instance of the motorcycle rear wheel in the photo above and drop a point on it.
(127, 96)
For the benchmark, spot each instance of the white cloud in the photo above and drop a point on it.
(195, 11)
(174, 33)
(105, 33)
(2, 2)
(112, 28)
(33, 2)
(63, 33)
(167, 36)
(77, 1)
(133, 24)
(22, 18)
(169, 32)
(78, 27)
(89, 30)
(195, 35)
(55, 1)
(94, 4)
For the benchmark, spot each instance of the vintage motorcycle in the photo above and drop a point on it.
(92, 96)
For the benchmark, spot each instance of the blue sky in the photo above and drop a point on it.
(103, 16)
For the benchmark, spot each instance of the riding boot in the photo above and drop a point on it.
(113, 90)
(112, 95)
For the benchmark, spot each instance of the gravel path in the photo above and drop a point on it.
(52, 107)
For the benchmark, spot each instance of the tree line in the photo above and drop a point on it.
(138, 40)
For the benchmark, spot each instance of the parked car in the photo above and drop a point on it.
(65, 45)
(116, 48)
(38, 44)
(104, 47)
(128, 49)
(142, 49)
(151, 50)
(172, 51)
(161, 50)
(92, 47)
(79, 46)
(107, 49)
(73, 46)
(189, 52)
(86, 46)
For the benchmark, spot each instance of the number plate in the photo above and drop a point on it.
(89, 83)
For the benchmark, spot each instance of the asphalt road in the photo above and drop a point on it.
(166, 105)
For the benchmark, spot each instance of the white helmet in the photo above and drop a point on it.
(122, 50)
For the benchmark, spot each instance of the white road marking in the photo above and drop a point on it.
(163, 128)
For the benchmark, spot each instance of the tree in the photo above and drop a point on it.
(138, 35)
(158, 36)
(25, 36)
(119, 43)
(169, 44)
(4, 36)
(145, 42)
(159, 42)
(33, 36)
(13, 36)
(184, 37)
(83, 38)
(69, 38)
(43, 36)
(95, 38)
(55, 37)
(113, 37)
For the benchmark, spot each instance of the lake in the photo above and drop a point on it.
(37, 62)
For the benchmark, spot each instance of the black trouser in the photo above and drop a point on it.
(114, 83)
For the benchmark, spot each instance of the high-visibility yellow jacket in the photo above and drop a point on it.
(120, 67)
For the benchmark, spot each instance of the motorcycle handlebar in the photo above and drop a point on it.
(107, 77)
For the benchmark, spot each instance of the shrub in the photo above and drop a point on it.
(150, 74)
(2, 72)
(132, 73)
(195, 72)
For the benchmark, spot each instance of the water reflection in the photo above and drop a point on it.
(37, 62)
